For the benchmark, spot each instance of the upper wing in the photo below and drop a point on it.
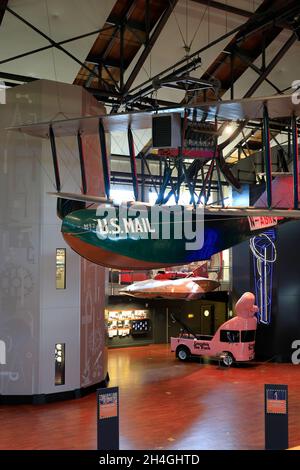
(232, 110)
(209, 210)
(83, 198)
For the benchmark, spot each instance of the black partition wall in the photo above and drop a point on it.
(137, 322)
(274, 341)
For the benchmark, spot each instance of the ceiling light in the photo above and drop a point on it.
(228, 129)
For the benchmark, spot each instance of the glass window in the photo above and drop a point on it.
(247, 336)
(229, 336)
(60, 364)
(60, 268)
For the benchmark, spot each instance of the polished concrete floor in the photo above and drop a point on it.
(164, 404)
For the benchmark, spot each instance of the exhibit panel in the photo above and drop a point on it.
(129, 327)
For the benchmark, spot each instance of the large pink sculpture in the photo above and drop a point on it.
(245, 306)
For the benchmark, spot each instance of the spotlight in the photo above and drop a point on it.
(228, 129)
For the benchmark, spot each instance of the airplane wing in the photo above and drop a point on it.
(209, 210)
(253, 212)
(83, 198)
(279, 106)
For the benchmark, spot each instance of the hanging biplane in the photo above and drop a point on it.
(133, 246)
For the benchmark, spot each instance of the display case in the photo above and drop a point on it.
(125, 327)
(140, 327)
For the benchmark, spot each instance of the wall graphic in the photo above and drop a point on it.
(93, 284)
(264, 257)
(34, 316)
(19, 248)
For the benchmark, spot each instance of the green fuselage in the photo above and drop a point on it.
(139, 243)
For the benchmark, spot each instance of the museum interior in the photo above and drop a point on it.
(149, 227)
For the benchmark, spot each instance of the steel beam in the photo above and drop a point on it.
(131, 24)
(124, 177)
(122, 60)
(205, 181)
(225, 7)
(143, 158)
(189, 184)
(147, 21)
(110, 44)
(163, 20)
(194, 56)
(188, 67)
(259, 81)
(102, 94)
(118, 29)
(52, 42)
(256, 69)
(232, 57)
(10, 84)
(272, 64)
(126, 15)
(90, 78)
(111, 77)
(268, 157)
(269, 21)
(17, 78)
(50, 46)
(108, 61)
(164, 182)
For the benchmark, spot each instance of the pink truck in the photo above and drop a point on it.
(233, 341)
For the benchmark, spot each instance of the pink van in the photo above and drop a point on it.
(233, 341)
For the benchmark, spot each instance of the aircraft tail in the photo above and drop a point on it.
(200, 271)
(207, 285)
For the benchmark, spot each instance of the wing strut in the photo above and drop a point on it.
(133, 164)
(104, 158)
(54, 158)
(81, 159)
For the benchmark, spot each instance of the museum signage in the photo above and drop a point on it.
(276, 417)
(108, 418)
